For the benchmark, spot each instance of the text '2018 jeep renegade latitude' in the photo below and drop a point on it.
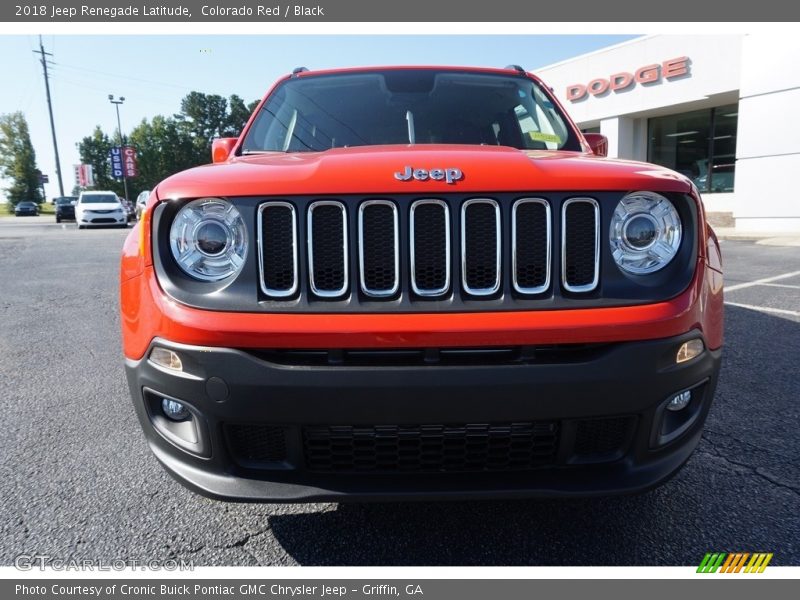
(420, 283)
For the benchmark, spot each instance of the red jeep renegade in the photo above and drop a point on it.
(420, 283)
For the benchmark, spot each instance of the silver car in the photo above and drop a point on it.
(141, 203)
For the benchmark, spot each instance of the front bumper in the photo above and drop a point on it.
(628, 383)
(101, 219)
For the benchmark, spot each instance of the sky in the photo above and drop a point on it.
(153, 73)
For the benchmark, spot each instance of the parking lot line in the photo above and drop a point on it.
(765, 309)
(747, 284)
(781, 285)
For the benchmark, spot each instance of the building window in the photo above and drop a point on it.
(700, 144)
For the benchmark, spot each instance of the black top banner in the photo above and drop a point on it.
(406, 11)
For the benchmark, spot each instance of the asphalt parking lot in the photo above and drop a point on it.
(77, 480)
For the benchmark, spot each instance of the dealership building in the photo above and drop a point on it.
(719, 109)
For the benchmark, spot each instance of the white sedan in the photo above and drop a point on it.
(95, 209)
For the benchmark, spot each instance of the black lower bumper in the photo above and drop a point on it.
(577, 424)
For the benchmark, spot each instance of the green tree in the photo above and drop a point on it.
(18, 160)
(238, 114)
(94, 151)
(166, 145)
(206, 114)
(209, 116)
(163, 147)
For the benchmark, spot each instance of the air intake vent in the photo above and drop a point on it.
(430, 247)
(379, 248)
(254, 445)
(277, 235)
(480, 246)
(600, 440)
(431, 448)
(580, 254)
(327, 249)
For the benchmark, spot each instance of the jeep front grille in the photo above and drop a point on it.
(277, 234)
(426, 249)
(430, 247)
(580, 244)
(480, 246)
(328, 249)
(531, 245)
(378, 248)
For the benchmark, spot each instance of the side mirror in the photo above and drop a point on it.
(221, 149)
(598, 143)
(74, 202)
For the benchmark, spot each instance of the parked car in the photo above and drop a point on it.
(129, 209)
(99, 208)
(407, 283)
(26, 209)
(141, 203)
(65, 208)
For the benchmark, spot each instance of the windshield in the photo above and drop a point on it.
(99, 199)
(409, 106)
(66, 200)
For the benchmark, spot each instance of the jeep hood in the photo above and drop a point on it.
(370, 170)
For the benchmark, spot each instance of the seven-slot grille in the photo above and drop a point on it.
(377, 236)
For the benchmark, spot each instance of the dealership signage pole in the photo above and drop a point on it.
(116, 104)
(43, 54)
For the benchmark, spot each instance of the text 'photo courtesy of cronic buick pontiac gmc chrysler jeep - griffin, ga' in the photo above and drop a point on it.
(420, 282)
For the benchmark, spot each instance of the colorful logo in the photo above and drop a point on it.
(734, 562)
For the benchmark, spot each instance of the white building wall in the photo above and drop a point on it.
(619, 132)
(768, 137)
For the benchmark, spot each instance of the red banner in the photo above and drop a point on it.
(129, 164)
(84, 175)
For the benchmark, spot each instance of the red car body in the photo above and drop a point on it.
(152, 316)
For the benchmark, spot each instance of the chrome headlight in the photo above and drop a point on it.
(208, 239)
(645, 233)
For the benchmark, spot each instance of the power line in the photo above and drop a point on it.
(43, 58)
(117, 76)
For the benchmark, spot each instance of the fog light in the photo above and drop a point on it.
(174, 410)
(689, 350)
(680, 401)
(166, 358)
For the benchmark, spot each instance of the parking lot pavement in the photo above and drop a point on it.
(77, 480)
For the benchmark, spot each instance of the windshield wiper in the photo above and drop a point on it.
(412, 134)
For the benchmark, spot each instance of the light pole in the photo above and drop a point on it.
(116, 104)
